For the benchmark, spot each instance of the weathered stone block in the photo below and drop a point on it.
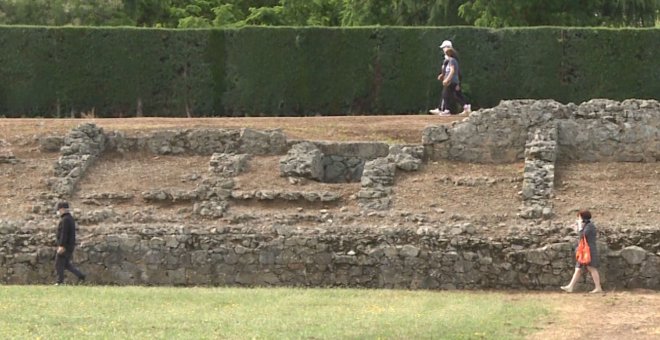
(269, 142)
(633, 254)
(303, 160)
(409, 251)
(228, 165)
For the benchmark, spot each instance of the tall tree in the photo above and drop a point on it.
(402, 12)
(312, 12)
(64, 12)
(492, 13)
(445, 13)
(641, 13)
(366, 12)
(148, 13)
(222, 13)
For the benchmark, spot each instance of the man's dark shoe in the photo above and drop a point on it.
(81, 280)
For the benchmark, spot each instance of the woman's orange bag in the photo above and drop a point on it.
(583, 253)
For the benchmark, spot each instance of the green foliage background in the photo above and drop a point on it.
(292, 71)
(237, 13)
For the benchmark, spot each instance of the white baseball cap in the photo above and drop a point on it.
(446, 43)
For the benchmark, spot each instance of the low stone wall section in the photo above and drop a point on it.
(599, 130)
(81, 148)
(288, 195)
(303, 160)
(330, 162)
(376, 184)
(452, 257)
(379, 175)
(496, 135)
(201, 142)
(603, 130)
(539, 174)
(362, 150)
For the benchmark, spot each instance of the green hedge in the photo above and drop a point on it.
(286, 71)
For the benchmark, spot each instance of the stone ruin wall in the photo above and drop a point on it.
(455, 257)
(543, 132)
(447, 257)
(599, 130)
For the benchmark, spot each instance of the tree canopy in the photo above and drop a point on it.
(236, 13)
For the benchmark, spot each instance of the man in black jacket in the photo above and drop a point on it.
(66, 242)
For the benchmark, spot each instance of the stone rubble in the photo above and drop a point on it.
(81, 148)
(406, 158)
(303, 160)
(228, 165)
(376, 184)
(201, 142)
(330, 162)
(96, 197)
(379, 174)
(539, 174)
(272, 195)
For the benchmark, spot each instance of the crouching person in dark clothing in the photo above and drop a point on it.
(66, 243)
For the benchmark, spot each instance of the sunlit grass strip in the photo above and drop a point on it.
(233, 313)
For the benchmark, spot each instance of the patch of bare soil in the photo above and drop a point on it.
(614, 315)
(21, 183)
(617, 193)
(135, 173)
(453, 190)
(399, 129)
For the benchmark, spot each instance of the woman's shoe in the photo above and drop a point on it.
(567, 289)
(596, 291)
(467, 108)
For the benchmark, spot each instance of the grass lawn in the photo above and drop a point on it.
(279, 313)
